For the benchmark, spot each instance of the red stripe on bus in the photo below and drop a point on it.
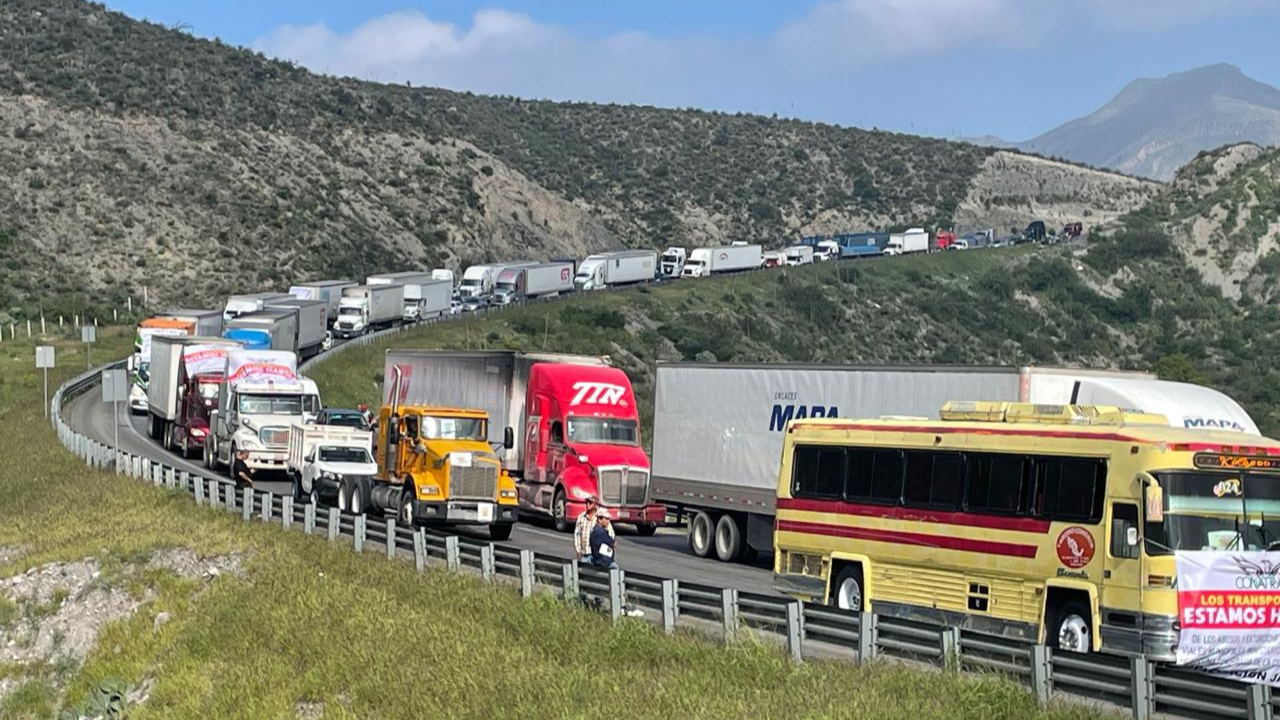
(989, 522)
(986, 547)
(1069, 434)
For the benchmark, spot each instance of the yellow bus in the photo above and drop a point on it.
(1057, 524)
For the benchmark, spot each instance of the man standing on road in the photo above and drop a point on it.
(582, 530)
(603, 542)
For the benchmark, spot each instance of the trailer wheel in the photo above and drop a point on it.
(500, 531)
(701, 530)
(728, 538)
(560, 512)
(646, 529)
(359, 496)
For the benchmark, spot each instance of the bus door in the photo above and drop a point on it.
(1121, 597)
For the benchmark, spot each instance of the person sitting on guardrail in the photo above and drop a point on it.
(582, 530)
(603, 542)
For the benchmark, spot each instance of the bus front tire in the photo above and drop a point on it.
(1071, 630)
(846, 589)
(701, 532)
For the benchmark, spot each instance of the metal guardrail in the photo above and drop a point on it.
(805, 629)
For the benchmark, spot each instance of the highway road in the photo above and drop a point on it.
(665, 554)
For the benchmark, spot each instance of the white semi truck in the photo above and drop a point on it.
(259, 397)
(364, 308)
(673, 261)
(912, 241)
(322, 458)
(707, 261)
(327, 291)
(718, 428)
(610, 269)
(424, 296)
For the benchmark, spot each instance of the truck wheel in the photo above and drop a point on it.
(208, 454)
(407, 516)
(646, 529)
(500, 531)
(560, 512)
(846, 589)
(701, 530)
(728, 539)
(344, 495)
(359, 496)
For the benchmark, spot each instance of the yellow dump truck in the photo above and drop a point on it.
(436, 466)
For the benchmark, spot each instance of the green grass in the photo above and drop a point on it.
(311, 622)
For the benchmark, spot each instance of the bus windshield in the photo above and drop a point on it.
(453, 428)
(602, 431)
(1216, 512)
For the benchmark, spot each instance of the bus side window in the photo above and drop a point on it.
(818, 472)
(1069, 489)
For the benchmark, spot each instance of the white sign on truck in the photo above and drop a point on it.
(717, 428)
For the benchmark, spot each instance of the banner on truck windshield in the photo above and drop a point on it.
(261, 366)
(1229, 606)
(204, 359)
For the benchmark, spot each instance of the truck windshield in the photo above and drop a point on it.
(1217, 512)
(452, 428)
(344, 455)
(270, 405)
(348, 311)
(602, 431)
(208, 390)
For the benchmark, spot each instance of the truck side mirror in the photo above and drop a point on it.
(508, 438)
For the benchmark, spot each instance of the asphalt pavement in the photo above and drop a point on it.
(665, 554)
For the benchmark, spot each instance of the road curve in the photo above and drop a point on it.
(666, 554)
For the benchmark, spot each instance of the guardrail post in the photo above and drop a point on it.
(230, 493)
(309, 519)
(357, 541)
(795, 631)
(569, 580)
(199, 493)
(391, 537)
(333, 527)
(1141, 687)
(1260, 703)
(452, 558)
(670, 605)
(420, 549)
(268, 506)
(246, 504)
(212, 493)
(1042, 673)
(616, 593)
(729, 614)
(486, 563)
(527, 573)
(951, 648)
(868, 631)
(286, 511)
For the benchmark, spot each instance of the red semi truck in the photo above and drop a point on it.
(577, 427)
(185, 372)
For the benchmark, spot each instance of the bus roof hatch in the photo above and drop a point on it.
(1009, 412)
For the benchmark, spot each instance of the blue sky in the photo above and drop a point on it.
(1012, 68)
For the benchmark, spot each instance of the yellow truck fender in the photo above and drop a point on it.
(862, 560)
(1083, 586)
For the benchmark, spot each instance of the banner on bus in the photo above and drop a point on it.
(1229, 607)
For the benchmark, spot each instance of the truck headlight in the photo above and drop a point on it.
(250, 443)
(428, 489)
(326, 475)
(507, 494)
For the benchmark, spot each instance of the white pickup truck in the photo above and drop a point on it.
(330, 461)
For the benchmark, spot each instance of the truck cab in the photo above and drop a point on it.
(672, 262)
(259, 398)
(582, 439)
(698, 264)
(353, 316)
(197, 399)
(590, 275)
(436, 466)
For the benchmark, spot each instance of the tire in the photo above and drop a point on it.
(701, 534)
(728, 538)
(560, 512)
(500, 531)
(359, 496)
(646, 529)
(1071, 629)
(208, 454)
(404, 512)
(344, 495)
(846, 589)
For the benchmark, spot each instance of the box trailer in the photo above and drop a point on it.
(414, 283)
(610, 269)
(369, 307)
(174, 362)
(724, 259)
(548, 279)
(238, 305)
(313, 323)
(327, 291)
(717, 428)
(268, 329)
(574, 423)
(208, 323)
(912, 241)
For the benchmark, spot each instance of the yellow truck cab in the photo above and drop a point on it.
(436, 466)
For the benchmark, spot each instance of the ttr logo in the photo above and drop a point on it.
(596, 393)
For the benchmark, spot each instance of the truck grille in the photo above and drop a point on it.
(477, 481)
(624, 486)
(274, 436)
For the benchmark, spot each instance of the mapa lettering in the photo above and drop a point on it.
(783, 414)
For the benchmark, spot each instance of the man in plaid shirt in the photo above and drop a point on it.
(582, 530)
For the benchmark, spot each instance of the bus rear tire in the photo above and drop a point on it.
(728, 538)
(846, 589)
(701, 534)
(1071, 630)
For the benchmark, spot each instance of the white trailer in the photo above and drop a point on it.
(173, 360)
(800, 254)
(610, 269)
(724, 259)
(717, 428)
(413, 282)
(548, 279)
(328, 291)
(369, 307)
(320, 457)
(912, 241)
(313, 323)
(238, 305)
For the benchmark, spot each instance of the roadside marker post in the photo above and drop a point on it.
(88, 336)
(44, 361)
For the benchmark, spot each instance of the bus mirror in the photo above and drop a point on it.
(1131, 536)
(1155, 498)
